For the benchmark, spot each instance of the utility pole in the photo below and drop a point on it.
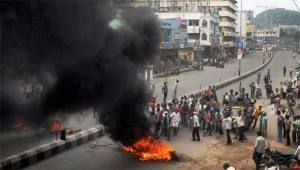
(266, 9)
(241, 14)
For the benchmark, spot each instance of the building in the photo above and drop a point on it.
(267, 36)
(227, 12)
(228, 17)
(203, 36)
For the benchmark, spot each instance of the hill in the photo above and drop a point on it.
(277, 16)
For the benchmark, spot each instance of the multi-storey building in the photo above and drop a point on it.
(227, 12)
(267, 36)
(202, 31)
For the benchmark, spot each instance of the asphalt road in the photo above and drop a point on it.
(194, 80)
(107, 154)
(19, 140)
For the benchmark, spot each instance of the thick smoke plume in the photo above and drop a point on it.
(81, 61)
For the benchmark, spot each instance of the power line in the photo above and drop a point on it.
(296, 5)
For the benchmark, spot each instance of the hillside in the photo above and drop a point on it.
(277, 16)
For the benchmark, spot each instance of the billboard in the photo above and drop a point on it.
(173, 33)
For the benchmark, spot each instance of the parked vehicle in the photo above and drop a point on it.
(273, 158)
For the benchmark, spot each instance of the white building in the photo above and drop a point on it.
(267, 36)
(227, 11)
(202, 28)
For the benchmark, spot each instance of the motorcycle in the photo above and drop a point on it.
(273, 159)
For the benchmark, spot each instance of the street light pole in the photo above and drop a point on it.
(241, 14)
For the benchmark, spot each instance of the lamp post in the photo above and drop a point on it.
(241, 14)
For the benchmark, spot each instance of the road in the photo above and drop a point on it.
(189, 82)
(108, 156)
(192, 81)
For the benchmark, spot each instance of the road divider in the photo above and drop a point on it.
(33, 156)
(230, 81)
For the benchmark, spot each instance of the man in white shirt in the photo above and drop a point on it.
(228, 125)
(196, 125)
(175, 90)
(241, 126)
(259, 149)
(175, 120)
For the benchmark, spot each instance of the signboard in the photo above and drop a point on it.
(239, 45)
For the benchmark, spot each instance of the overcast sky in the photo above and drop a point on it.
(251, 4)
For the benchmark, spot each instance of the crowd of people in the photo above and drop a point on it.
(203, 113)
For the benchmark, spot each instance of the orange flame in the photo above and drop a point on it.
(150, 148)
(19, 125)
(56, 126)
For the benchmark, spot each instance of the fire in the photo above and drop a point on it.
(19, 125)
(150, 148)
(56, 126)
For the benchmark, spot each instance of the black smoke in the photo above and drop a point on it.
(82, 62)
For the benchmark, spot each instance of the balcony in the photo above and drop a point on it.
(227, 14)
(227, 24)
(216, 3)
(193, 29)
(229, 34)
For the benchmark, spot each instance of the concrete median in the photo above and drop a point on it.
(236, 79)
(35, 155)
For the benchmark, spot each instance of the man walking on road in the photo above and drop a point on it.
(165, 92)
(284, 70)
(175, 90)
(258, 76)
(252, 88)
(259, 149)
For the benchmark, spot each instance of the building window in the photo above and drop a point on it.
(204, 23)
(204, 36)
(193, 36)
(193, 22)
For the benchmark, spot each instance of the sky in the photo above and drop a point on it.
(251, 4)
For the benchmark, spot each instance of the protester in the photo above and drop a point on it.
(259, 149)
(284, 70)
(264, 126)
(280, 124)
(255, 116)
(175, 90)
(208, 122)
(228, 124)
(252, 89)
(196, 125)
(165, 92)
(258, 76)
(291, 72)
(219, 126)
(288, 129)
(175, 120)
(241, 126)
(297, 123)
(165, 125)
